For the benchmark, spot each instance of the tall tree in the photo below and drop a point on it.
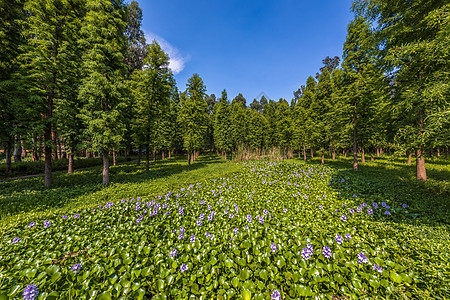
(414, 38)
(193, 116)
(255, 105)
(152, 88)
(103, 87)
(222, 125)
(240, 99)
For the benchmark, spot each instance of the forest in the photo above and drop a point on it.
(116, 183)
(79, 79)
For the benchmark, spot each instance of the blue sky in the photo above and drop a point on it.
(247, 46)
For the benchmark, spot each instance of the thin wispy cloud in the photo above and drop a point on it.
(177, 61)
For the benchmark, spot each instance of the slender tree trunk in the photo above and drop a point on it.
(421, 173)
(312, 152)
(304, 151)
(154, 154)
(345, 152)
(8, 156)
(355, 145)
(189, 158)
(34, 153)
(431, 153)
(371, 155)
(105, 180)
(22, 146)
(225, 155)
(54, 143)
(162, 155)
(381, 150)
(298, 151)
(147, 159)
(114, 157)
(409, 157)
(70, 168)
(139, 156)
(378, 151)
(17, 150)
(59, 149)
(323, 157)
(170, 155)
(363, 156)
(438, 152)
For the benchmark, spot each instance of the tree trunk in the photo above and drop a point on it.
(22, 146)
(312, 152)
(154, 154)
(105, 168)
(139, 156)
(147, 159)
(304, 151)
(48, 163)
(17, 150)
(409, 157)
(162, 155)
(381, 150)
(371, 155)
(114, 157)
(363, 156)
(54, 143)
(170, 155)
(421, 173)
(70, 168)
(333, 154)
(378, 151)
(8, 156)
(323, 157)
(59, 149)
(355, 145)
(431, 153)
(298, 151)
(189, 158)
(438, 152)
(225, 155)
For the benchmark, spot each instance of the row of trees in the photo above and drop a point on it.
(78, 75)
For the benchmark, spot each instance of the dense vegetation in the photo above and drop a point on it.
(238, 230)
(73, 83)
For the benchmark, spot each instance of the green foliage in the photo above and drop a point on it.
(125, 255)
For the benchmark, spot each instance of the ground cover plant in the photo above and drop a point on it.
(287, 229)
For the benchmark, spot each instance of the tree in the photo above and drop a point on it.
(414, 38)
(330, 64)
(152, 87)
(257, 131)
(240, 99)
(284, 126)
(193, 116)
(222, 125)
(211, 101)
(11, 41)
(255, 105)
(103, 87)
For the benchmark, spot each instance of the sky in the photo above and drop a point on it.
(247, 46)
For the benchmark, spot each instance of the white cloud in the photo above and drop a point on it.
(176, 59)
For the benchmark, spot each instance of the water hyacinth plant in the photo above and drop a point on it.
(191, 245)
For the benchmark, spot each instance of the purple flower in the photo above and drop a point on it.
(377, 268)
(404, 205)
(273, 247)
(339, 239)
(173, 252)
(342, 180)
(285, 210)
(306, 253)
(364, 204)
(47, 223)
(31, 224)
(209, 207)
(64, 217)
(344, 218)
(261, 220)
(320, 206)
(326, 252)
(348, 236)
(362, 258)
(210, 217)
(265, 212)
(183, 268)
(387, 213)
(199, 222)
(246, 227)
(383, 204)
(76, 268)
(192, 239)
(231, 216)
(30, 292)
(15, 240)
(249, 218)
(77, 216)
(352, 211)
(370, 211)
(180, 210)
(235, 230)
(358, 209)
(375, 205)
(275, 295)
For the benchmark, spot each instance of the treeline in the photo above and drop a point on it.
(78, 78)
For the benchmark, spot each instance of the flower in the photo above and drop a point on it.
(348, 236)
(183, 268)
(358, 208)
(375, 205)
(265, 212)
(344, 218)
(383, 204)
(306, 253)
(320, 206)
(64, 217)
(273, 247)
(249, 218)
(231, 216)
(326, 252)
(30, 292)
(377, 268)
(235, 230)
(76, 268)
(352, 211)
(339, 239)
(275, 295)
(261, 220)
(404, 205)
(173, 252)
(192, 239)
(15, 240)
(370, 211)
(31, 224)
(285, 210)
(362, 258)
(77, 216)
(387, 213)
(180, 210)
(199, 222)
(47, 223)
